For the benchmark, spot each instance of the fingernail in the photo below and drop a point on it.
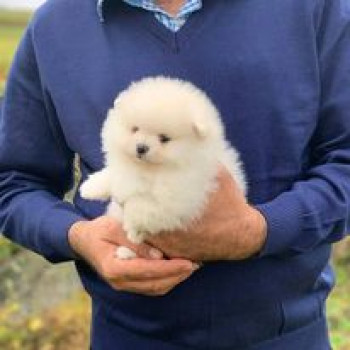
(155, 253)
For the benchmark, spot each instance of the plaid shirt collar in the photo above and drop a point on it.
(188, 7)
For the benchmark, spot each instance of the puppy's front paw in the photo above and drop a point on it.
(87, 190)
(125, 253)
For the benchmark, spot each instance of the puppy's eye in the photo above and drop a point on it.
(164, 138)
(134, 129)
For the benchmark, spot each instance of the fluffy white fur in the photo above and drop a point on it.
(165, 185)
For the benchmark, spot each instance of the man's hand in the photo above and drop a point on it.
(229, 229)
(96, 242)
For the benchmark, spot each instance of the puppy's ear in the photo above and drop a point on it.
(199, 129)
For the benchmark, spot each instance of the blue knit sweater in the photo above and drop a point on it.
(278, 71)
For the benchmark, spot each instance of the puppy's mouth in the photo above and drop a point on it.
(141, 156)
(146, 159)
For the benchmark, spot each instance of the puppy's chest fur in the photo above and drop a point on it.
(162, 200)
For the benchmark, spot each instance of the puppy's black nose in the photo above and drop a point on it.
(142, 149)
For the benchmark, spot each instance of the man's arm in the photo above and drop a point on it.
(35, 163)
(316, 209)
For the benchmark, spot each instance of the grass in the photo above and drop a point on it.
(338, 307)
(7, 250)
(12, 25)
(14, 18)
(66, 326)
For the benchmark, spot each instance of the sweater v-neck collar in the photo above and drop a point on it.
(176, 41)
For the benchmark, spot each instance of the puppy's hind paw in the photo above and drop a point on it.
(134, 236)
(125, 253)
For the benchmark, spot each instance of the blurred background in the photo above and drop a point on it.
(42, 306)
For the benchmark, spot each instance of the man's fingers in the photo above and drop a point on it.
(142, 269)
(156, 287)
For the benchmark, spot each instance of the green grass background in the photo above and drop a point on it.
(8, 42)
(34, 336)
(12, 25)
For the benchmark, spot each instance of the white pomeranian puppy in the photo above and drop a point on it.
(163, 143)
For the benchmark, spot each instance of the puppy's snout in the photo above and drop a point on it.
(142, 149)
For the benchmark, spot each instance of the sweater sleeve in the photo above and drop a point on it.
(317, 209)
(36, 166)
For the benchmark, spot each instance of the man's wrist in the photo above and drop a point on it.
(74, 237)
(259, 231)
(250, 240)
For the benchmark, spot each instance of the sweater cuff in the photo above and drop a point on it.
(56, 225)
(284, 225)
